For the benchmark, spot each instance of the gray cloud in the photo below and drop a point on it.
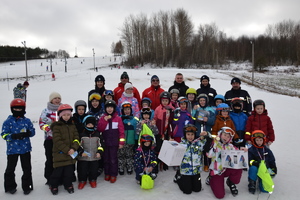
(66, 24)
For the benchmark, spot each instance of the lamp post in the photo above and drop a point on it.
(94, 59)
(252, 43)
(24, 43)
(217, 59)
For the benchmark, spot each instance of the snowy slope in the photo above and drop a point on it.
(79, 79)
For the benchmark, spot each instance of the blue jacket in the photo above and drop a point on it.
(13, 125)
(239, 120)
(192, 160)
(144, 159)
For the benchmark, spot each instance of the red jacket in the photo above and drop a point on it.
(260, 122)
(118, 91)
(153, 94)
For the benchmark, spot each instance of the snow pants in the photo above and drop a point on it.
(252, 174)
(125, 157)
(64, 174)
(190, 183)
(87, 170)
(217, 181)
(9, 175)
(111, 160)
(48, 144)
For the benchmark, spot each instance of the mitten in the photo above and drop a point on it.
(26, 134)
(17, 136)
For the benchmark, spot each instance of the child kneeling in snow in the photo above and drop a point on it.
(257, 152)
(217, 172)
(188, 176)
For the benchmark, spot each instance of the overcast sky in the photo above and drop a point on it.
(88, 24)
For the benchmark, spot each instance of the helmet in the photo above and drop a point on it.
(219, 96)
(236, 102)
(165, 95)
(258, 134)
(190, 128)
(146, 111)
(176, 91)
(191, 91)
(258, 102)
(146, 100)
(89, 119)
(223, 106)
(227, 130)
(182, 99)
(126, 104)
(18, 103)
(80, 103)
(204, 77)
(64, 107)
(110, 103)
(203, 96)
(94, 96)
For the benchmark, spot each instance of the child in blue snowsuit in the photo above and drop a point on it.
(257, 152)
(16, 130)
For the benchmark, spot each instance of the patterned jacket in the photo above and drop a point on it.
(47, 117)
(144, 159)
(14, 125)
(130, 124)
(134, 104)
(192, 159)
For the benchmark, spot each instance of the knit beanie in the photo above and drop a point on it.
(204, 77)
(25, 83)
(128, 85)
(235, 80)
(124, 75)
(154, 77)
(54, 95)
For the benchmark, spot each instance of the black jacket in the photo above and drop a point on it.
(210, 92)
(243, 94)
(181, 87)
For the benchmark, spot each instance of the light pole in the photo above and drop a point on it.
(94, 59)
(252, 43)
(24, 43)
(217, 58)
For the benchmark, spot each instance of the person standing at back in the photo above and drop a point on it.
(236, 91)
(99, 88)
(153, 92)
(206, 89)
(179, 84)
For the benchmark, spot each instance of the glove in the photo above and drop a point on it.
(80, 151)
(26, 134)
(17, 136)
(254, 163)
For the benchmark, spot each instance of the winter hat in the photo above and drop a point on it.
(124, 75)
(235, 80)
(100, 78)
(154, 77)
(89, 119)
(54, 95)
(204, 77)
(25, 83)
(128, 85)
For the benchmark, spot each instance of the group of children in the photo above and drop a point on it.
(117, 138)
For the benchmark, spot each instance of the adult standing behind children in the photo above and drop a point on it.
(48, 116)
(153, 92)
(128, 96)
(16, 130)
(206, 89)
(236, 91)
(20, 91)
(179, 84)
(99, 88)
(118, 91)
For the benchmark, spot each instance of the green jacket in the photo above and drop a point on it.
(65, 137)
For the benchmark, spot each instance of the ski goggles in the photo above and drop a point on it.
(258, 134)
(95, 96)
(126, 105)
(190, 129)
(108, 92)
(228, 131)
(145, 138)
(146, 110)
(182, 100)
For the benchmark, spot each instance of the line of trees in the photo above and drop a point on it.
(12, 53)
(168, 39)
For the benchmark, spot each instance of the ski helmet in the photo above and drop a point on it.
(223, 106)
(204, 77)
(258, 134)
(165, 95)
(63, 107)
(110, 103)
(219, 96)
(100, 78)
(89, 119)
(146, 111)
(189, 128)
(126, 104)
(176, 91)
(96, 96)
(18, 103)
(80, 103)
(146, 100)
(191, 91)
(203, 96)
(258, 102)
(236, 102)
(183, 100)
(226, 130)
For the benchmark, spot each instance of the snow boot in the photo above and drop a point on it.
(54, 190)
(129, 171)
(93, 183)
(107, 177)
(70, 189)
(113, 179)
(81, 185)
(121, 171)
(252, 186)
(233, 189)
(207, 180)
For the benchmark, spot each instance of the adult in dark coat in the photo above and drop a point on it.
(99, 88)
(236, 91)
(206, 89)
(179, 85)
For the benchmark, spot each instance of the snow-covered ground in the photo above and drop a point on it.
(75, 84)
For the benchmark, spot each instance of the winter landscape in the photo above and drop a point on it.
(79, 79)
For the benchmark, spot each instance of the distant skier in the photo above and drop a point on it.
(53, 77)
(20, 90)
